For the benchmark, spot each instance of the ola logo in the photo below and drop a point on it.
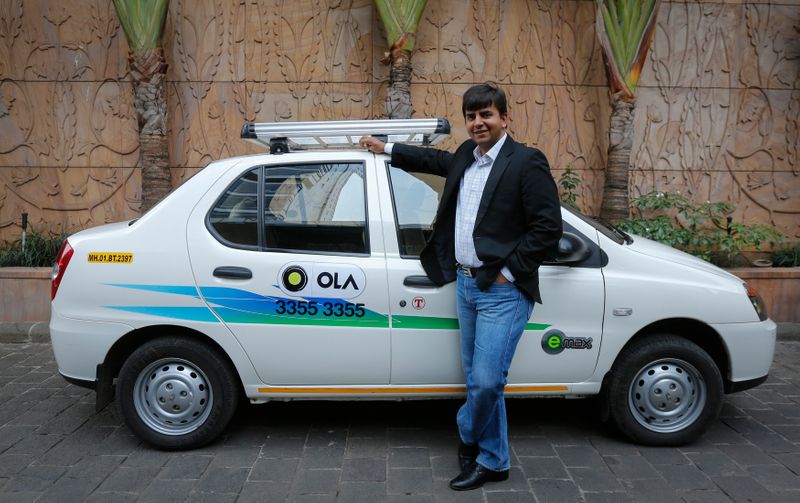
(553, 342)
(294, 278)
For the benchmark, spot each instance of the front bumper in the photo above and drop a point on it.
(751, 348)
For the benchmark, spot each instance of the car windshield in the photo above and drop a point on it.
(605, 228)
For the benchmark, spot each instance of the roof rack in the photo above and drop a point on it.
(281, 137)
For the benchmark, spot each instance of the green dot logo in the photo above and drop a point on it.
(552, 342)
(294, 278)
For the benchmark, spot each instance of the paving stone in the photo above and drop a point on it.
(790, 461)
(744, 489)
(128, 480)
(650, 491)
(715, 464)
(35, 444)
(630, 467)
(364, 469)
(186, 466)
(580, 456)
(409, 481)
(594, 479)
(789, 432)
(283, 448)
(235, 456)
(316, 482)
(212, 497)
(368, 447)
(258, 491)
(747, 455)
(323, 457)
(11, 464)
(532, 446)
(274, 469)
(772, 443)
(613, 446)
(146, 457)
(411, 498)
(615, 497)
(704, 496)
(362, 492)
(444, 467)
(34, 478)
(555, 491)
(95, 466)
(409, 457)
(443, 494)
(510, 497)
(222, 480)
(776, 477)
(664, 456)
(326, 437)
(685, 477)
(543, 468)
(20, 497)
(406, 437)
(160, 491)
(70, 489)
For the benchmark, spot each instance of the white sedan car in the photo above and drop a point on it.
(296, 276)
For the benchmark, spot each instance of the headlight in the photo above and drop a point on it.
(758, 302)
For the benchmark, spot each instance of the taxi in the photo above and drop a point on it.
(294, 275)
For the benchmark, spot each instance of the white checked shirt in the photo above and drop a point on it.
(469, 199)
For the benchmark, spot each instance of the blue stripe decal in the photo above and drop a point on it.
(177, 290)
(181, 313)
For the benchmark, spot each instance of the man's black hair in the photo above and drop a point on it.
(482, 96)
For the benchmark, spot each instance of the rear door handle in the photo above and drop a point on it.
(233, 272)
(419, 282)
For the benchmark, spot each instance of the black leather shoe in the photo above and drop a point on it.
(466, 454)
(475, 476)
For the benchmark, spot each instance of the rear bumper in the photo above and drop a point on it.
(751, 348)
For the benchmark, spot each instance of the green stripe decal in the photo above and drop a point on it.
(434, 323)
(536, 326)
(424, 322)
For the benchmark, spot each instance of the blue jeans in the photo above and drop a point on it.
(491, 324)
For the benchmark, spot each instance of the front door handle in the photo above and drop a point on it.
(419, 282)
(233, 272)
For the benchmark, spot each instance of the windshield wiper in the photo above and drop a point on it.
(617, 232)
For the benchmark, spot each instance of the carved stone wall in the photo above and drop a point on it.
(718, 105)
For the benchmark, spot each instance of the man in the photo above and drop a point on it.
(498, 220)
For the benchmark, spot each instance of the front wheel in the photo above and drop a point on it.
(664, 391)
(177, 393)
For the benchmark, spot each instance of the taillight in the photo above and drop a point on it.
(62, 260)
(757, 301)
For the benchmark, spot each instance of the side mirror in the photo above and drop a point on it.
(571, 249)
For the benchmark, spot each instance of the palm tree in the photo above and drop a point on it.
(400, 19)
(625, 29)
(143, 23)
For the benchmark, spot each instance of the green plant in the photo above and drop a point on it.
(787, 256)
(568, 184)
(705, 230)
(40, 251)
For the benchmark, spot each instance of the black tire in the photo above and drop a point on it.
(664, 391)
(177, 393)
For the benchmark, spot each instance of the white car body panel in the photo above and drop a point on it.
(416, 353)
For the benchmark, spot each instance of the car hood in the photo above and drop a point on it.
(658, 250)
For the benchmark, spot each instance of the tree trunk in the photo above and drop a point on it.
(398, 95)
(615, 205)
(149, 69)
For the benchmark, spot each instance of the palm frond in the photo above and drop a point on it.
(142, 21)
(625, 29)
(400, 19)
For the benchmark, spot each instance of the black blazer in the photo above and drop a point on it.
(519, 218)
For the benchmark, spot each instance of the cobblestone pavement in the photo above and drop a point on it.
(54, 447)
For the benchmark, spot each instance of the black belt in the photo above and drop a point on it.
(469, 272)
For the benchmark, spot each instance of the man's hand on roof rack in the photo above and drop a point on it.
(374, 145)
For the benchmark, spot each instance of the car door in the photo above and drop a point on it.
(561, 340)
(288, 252)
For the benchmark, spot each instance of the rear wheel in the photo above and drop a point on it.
(177, 393)
(665, 390)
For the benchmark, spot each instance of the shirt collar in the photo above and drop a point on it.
(491, 155)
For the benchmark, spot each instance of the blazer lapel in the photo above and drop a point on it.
(453, 181)
(498, 168)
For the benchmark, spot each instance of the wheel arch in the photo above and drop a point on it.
(127, 344)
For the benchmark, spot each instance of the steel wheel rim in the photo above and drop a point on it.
(667, 395)
(172, 396)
